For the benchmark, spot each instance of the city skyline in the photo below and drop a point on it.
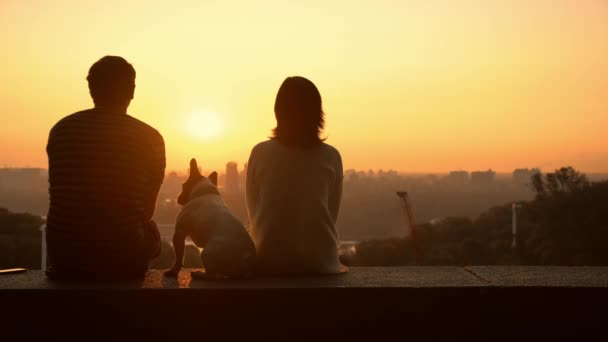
(242, 167)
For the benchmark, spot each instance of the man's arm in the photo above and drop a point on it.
(157, 174)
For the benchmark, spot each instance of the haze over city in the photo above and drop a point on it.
(414, 86)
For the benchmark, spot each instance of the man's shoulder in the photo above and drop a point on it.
(68, 122)
(74, 117)
(92, 117)
(148, 129)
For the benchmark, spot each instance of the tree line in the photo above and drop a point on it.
(565, 224)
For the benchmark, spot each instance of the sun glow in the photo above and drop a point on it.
(204, 125)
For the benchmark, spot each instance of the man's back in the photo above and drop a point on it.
(105, 170)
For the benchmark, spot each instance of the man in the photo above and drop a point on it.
(105, 171)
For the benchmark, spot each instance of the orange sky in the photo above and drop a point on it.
(416, 86)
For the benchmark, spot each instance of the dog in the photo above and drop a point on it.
(228, 250)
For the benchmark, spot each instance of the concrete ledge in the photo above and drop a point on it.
(412, 301)
(358, 277)
(545, 276)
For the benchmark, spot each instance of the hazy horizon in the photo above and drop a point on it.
(415, 86)
(221, 170)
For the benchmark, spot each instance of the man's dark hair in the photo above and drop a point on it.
(111, 81)
(299, 112)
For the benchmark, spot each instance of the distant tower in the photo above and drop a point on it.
(243, 177)
(410, 224)
(514, 207)
(232, 177)
(43, 249)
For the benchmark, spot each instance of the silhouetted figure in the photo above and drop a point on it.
(105, 171)
(294, 188)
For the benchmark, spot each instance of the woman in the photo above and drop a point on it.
(294, 188)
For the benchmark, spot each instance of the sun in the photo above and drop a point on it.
(204, 124)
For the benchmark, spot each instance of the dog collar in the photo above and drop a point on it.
(203, 190)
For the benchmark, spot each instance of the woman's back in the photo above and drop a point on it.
(293, 197)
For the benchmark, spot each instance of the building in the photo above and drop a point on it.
(243, 177)
(483, 177)
(457, 177)
(232, 178)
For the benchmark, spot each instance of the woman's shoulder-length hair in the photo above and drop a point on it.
(299, 112)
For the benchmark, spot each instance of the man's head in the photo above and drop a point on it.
(112, 82)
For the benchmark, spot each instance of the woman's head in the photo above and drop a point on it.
(299, 113)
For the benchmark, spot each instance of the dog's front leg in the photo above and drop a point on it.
(179, 245)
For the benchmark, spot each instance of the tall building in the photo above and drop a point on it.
(232, 177)
(243, 177)
(457, 177)
(483, 177)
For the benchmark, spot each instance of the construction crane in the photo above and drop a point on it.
(514, 207)
(410, 223)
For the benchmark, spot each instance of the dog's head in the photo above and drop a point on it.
(195, 178)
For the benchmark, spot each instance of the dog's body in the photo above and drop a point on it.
(228, 251)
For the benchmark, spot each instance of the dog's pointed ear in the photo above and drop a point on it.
(213, 178)
(194, 167)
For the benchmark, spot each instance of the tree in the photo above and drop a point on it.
(19, 240)
(563, 180)
(538, 184)
(570, 215)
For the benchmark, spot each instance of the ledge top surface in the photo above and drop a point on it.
(357, 277)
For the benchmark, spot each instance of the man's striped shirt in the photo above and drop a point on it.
(105, 170)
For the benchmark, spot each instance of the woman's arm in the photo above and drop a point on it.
(335, 195)
(251, 187)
